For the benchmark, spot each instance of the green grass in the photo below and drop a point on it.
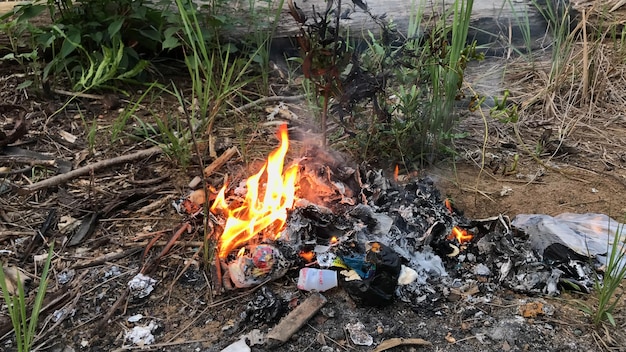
(25, 326)
(608, 286)
(216, 70)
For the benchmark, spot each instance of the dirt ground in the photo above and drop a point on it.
(90, 277)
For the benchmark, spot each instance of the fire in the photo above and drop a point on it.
(307, 256)
(462, 236)
(396, 172)
(448, 203)
(264, 205)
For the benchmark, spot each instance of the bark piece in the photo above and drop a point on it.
(290, 324)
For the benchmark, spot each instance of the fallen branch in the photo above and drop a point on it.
(85, 170)
(110, 101)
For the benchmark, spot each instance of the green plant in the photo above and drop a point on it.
(326, 53)
(21, 45)
(120, 122)
(25, 326)
(217, 73)
(557, 15)
(260, 38)
(522, 20)
(95, 34)
(503, 110)
(423, 72)
(607, 286)
(92, 131)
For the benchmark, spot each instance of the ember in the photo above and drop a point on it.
(259, 212)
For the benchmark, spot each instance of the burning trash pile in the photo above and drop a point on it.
(376, 238)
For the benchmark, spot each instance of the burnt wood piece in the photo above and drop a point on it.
(290, 324)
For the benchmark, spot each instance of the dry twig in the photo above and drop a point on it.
(63, 178)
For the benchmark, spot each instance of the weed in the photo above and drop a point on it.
(607, 286)
(25, 326)
(120, 122)
(423, 73)
(261, 35)
(217, 73)
(92, 131)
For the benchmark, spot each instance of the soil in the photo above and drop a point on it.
(136, 205)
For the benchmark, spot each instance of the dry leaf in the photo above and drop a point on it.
(398, 341)
(450, 338)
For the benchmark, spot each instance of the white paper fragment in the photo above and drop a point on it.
(358, 335)
(141, 335)
(407, 275)
(255, 337)
(239, 346)
(505, 191)
(135, 318)
(141, 285)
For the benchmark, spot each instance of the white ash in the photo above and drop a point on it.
(65, 276)
(113, 271)
(141, 285)
(62, 313)
(141, 335)
(359, 335)
(482, 270)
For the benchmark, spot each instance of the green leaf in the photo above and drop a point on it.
(141, 65)
(27, 83)
(29, 11)
(610, 318)
(151, 33)
(114, 27)
(170, 43)
(169, 32)
(70, 43)
(230, 48)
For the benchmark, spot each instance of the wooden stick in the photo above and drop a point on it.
(105, 258)
(85, 170)
(291, 98)
(290, 324)
(220, 161)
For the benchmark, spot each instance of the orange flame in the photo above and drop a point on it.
(256, 214)
(308, 256)
(463, 236)
(396, 172)
(448, 203)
